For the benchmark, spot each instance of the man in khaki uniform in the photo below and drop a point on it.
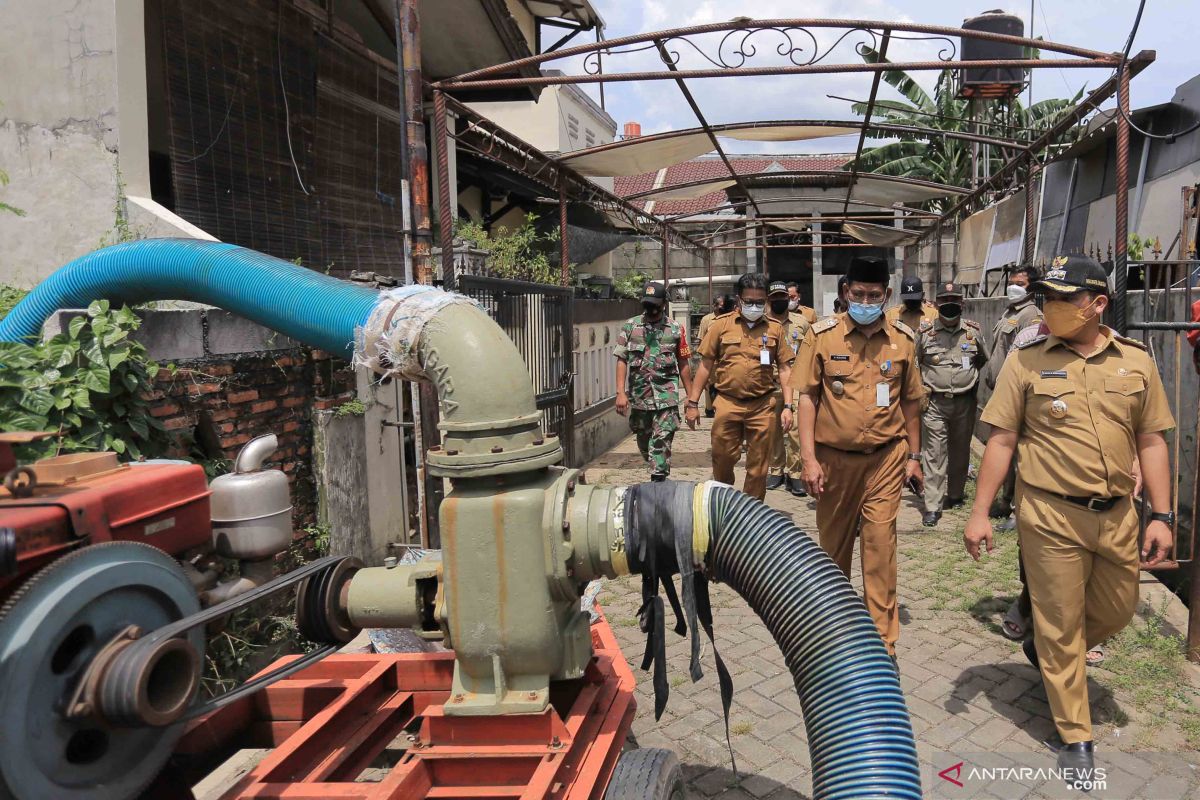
(1077, 406)
(950, 353)
(1021, 312)
(741, 352)
(794, 304)
(913, 310)
(785, 449)
(860, 433)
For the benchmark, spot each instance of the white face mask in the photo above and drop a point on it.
(793, 305)
(753, 312)
(1016, 292)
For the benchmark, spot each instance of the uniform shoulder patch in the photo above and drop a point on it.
(1038, 339)
(907, 331)
(825, 324)
(972, 324)
(1129, 341)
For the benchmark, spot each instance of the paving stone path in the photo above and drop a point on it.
(973, 697)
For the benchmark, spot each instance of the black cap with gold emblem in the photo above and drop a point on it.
(1074, 273)
(654, 294)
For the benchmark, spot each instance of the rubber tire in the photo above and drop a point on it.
(647, 774)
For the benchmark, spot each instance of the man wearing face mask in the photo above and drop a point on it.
(652, 354)
(785, 449)
(950, 353)
(860, 433)
(794, 304)
(718, 308)
(742, 352)
(1077, 406)
(1022, 312)
(913, 310)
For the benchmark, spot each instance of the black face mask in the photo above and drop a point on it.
(912, 305)
(779, 306)
(950, 310)
(652, 312)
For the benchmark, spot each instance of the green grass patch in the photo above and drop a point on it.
(741, 728)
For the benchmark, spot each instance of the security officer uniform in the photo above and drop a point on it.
(1077, 420)
(1017, 317)
(950, 357)
(785, 448)
(857, 384)
(912, 290)
(746, 394)
(653, 352)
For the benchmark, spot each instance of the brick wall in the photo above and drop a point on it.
(215, 405)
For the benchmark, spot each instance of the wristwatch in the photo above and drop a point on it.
(914, 456)
(788, 407)
(1164, 516)
(693, 404)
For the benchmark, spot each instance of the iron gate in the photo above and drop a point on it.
(538, 318)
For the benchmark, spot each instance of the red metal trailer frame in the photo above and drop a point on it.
(330, 722)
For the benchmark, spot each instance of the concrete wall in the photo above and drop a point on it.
(73, 133)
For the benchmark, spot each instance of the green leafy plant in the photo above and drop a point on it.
(1138, 245)
(520, 254)
(5, 206)
(89, 383)
(631, 285)
(350, 408)
(9, 297)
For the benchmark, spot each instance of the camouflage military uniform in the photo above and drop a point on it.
(653, 352)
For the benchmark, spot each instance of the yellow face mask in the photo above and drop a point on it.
(1065, 320)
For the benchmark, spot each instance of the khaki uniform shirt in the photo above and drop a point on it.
(1016, 317)
(912, 319)
(735, 347)
(705, 322)
(809, 314)
(1077, 418)
(950, 358)
(796, 330)
(842, 370)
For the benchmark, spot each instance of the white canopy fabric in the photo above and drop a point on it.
(878, 189)
(880, 235)
(788, 224)
(637, 156)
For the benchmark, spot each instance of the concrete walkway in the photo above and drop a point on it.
(973, 697)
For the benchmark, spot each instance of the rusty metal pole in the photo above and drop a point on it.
(1030, 245)
(1121, 258)
(708, 258)
(666, 255)
(1193, 631)
(417, 225)
(441, 143)
(937, 269)
(564, 265)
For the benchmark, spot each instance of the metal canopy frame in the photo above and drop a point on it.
(731, 49)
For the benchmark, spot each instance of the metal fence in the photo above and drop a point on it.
(539, 320)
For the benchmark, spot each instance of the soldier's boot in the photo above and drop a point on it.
(774, 481)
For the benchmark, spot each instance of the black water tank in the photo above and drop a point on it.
(994, 82)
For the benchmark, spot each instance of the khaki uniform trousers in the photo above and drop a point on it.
(862, 495)
(947, 425)
(785, 447)
(1082, 571)
(753, 421)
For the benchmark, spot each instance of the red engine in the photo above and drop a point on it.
(59, 504)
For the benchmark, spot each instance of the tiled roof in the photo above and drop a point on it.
(712, 168)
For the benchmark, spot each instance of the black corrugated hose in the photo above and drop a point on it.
(859, 733)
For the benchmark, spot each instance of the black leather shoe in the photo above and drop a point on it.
(774, 481)
(930, 518)
(656, 478)
(1000, 509)
(953, 502)
(796, 487)
(1078, 763)
(710, 413)
(1030, 651)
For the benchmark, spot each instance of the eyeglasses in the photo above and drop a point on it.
(861, 297)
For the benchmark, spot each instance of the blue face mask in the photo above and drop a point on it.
(865, 313)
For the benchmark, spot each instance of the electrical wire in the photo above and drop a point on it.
(1164, 137)
(287, 112)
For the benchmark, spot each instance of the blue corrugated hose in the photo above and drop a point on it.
(312, 308)
(860, 737)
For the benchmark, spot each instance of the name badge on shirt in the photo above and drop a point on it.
(839, 357)
(883, 395)
(764, 355)
(966, 362)
(1053, 373)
